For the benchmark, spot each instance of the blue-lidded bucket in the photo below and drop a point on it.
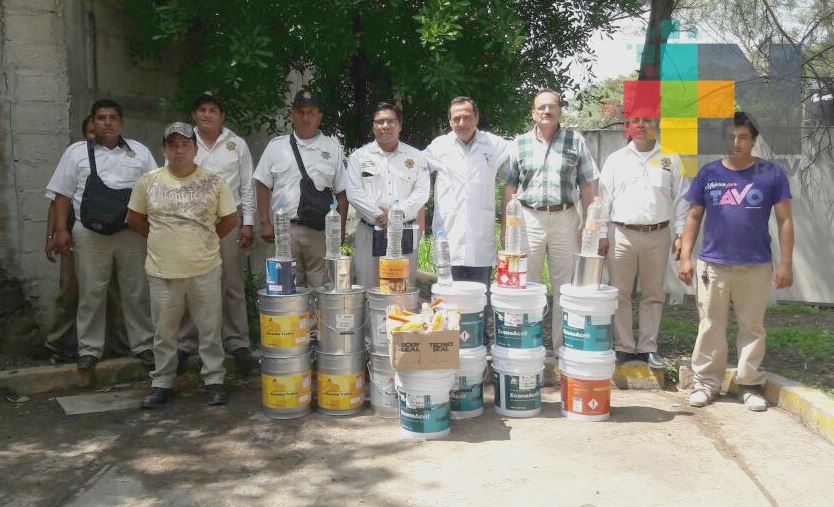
(518, 315)
(469, 298)
(587, 317)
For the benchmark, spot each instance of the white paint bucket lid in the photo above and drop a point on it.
(602, 293)
(428, 382)
(587, 365)
(531, 290)
(459, 288)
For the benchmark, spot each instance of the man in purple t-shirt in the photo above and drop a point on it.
(736, 193)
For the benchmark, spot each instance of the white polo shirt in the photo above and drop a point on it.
(230, 159)
(643, 188)
(278, 171)
(117, 168)
(464, 193)
(376, 178)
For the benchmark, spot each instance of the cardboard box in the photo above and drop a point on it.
(411, 351)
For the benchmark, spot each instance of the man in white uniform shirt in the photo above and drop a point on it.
(224, 153)
(119, 163)
(642, 194)
(467, 161)
(278, 181)
(379, 173)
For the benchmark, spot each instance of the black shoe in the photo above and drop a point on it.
(182, 362)
(87, 362)
(216, 394)
(146, 356)
(243, 361)
(655, 361)
(623, 357)
(159, 396)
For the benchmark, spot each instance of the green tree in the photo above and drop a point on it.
(587, 114)
(356, 52)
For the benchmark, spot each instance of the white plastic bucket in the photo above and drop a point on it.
(469, 298)
(377, 334)
(425, 408)
(518, 315)
(586, 384)
(468, 387)
(340, 383)
(517, 376)
(384, 398)
(587, 317)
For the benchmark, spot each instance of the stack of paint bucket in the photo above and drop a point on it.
(340, 355)
(586, 361)
(518, 353)
(286, 363)
(384, 397)
(424, 393)
(468, 298)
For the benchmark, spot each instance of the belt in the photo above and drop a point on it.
(551, 208)
(643, 228)
(410, 222)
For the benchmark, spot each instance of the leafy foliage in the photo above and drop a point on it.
(354, 53)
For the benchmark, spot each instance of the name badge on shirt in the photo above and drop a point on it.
(230, 145)
(325, 155)
(130, 154)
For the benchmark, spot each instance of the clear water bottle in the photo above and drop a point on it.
(282, 234)
(442, 259)
(396, 217)
(333, 233)
(512, 227)
(593, 226)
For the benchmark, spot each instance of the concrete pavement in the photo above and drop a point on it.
(655, 450)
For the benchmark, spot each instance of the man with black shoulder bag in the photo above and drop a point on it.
(94, 178)
(303, 172)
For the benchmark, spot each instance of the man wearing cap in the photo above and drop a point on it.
(184, 210)
(93, 179)
(467, 161)
(278, 183)
(642, 194)
(382, 172)
(550, 170)
(222, 152)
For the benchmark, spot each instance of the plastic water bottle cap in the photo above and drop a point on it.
(440, 233)
(332, 206)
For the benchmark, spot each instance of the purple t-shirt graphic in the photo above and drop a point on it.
(738, 205)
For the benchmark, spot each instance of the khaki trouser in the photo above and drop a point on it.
(308, 248)
(169, 300)
(643, 254)
(747, 286)
(366, 266)
(66, 311)
(96, 256)
(553, 235)
(235, 327)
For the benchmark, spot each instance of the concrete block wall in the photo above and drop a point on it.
(34, 119)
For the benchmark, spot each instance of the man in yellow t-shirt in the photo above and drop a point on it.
(183, 210)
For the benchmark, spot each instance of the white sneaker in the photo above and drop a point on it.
(701, 397)
(752, 398)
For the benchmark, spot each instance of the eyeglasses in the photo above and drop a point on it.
(382, 122)
(544, 107)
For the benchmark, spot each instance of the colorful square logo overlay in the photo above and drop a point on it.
(679, 99)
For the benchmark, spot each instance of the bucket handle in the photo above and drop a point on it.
(371, 377)
(318, 319)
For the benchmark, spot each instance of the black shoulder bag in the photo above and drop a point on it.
(313, 204)
(103, 209)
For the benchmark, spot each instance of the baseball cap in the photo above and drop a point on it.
(305, 98)
(180, 128)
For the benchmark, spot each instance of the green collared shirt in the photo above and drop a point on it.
(547, 175)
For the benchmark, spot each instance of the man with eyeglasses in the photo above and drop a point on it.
(550, 170)
(382, 172)
(642, 194)
(278, 181)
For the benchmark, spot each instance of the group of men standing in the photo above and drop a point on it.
(198, 210)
